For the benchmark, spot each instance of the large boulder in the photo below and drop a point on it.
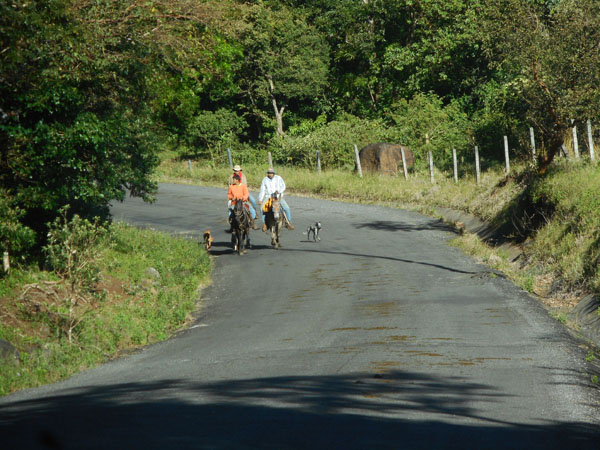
(385, 158)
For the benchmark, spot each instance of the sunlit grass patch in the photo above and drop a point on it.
(150, 282)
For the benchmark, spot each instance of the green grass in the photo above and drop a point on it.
(136, 310)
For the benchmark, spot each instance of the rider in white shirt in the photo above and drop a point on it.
(270, 184)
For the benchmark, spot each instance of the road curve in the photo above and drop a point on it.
(378, 336)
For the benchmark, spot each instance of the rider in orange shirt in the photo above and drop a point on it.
(238, 191)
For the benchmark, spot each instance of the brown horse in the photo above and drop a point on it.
(240, 224)
(274, 219)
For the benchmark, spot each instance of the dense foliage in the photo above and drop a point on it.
(91, 91)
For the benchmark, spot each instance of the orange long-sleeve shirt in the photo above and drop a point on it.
(238, 191)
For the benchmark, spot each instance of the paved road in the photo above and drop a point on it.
(379, 336)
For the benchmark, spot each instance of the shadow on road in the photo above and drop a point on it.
(343, 411)
(386, 225)
(390, 258)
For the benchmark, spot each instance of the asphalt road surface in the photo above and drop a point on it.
(381, 335)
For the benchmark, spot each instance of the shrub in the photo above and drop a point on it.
(210, 131)
(335, 141)
(14, 236)
(425, 124)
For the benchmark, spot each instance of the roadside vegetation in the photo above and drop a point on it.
(105, 290)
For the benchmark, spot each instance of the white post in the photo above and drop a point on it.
(431, 166)
(506, 155)
(404, 163)
(229, 158)
(270, 159)
(6, 262)
(357, 160)
(590, 140)
(190, 165)
(532, 137)
(455, 165)
(575, 142)
(477, 174)
(318, 162)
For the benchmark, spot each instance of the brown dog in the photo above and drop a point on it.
(208, 239)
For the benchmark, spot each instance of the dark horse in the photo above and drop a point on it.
(240, 224)
(274, 219)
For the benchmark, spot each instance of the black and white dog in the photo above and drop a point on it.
(314, 230)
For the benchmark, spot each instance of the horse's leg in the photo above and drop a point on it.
(244, 241)
(279, 228)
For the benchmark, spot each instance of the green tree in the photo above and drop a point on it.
(384, 50)
(425, 124)
(71, 131)
(286, 62)
(209, 131)
(547, 55)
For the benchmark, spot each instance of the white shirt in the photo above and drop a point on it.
(269, 186)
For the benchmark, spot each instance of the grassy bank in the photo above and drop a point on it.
(148, 287)
(556, 218)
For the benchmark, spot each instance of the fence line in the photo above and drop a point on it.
(562, 152)
(404, 163)
(506, 157)
(590, 140)
(318, 162)
(358, 166)
(431, 167)
(477, 172)
(455, 166)
(532, 140)
(575, 142)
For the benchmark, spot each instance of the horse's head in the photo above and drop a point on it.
(238, 209)
(276, 205)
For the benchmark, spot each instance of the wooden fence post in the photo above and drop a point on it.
(477, 174)
(455, 165)
(318, 162)
(506, 155)
(357, 160)
(575, 142)
(404, 163)
(229, 158)
(590, 140)
(431, 167)
(532, 138)
(269, 159)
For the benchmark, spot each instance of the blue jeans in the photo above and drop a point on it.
(252, 206)
(286, 210)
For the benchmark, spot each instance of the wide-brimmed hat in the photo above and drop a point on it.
(270, 170)
(237, 168)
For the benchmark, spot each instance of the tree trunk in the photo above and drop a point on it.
(278, 111)
(552, 148)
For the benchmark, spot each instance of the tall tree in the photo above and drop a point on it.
(286, 62)
(87, 88)
(548, 53)
(384, 50)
